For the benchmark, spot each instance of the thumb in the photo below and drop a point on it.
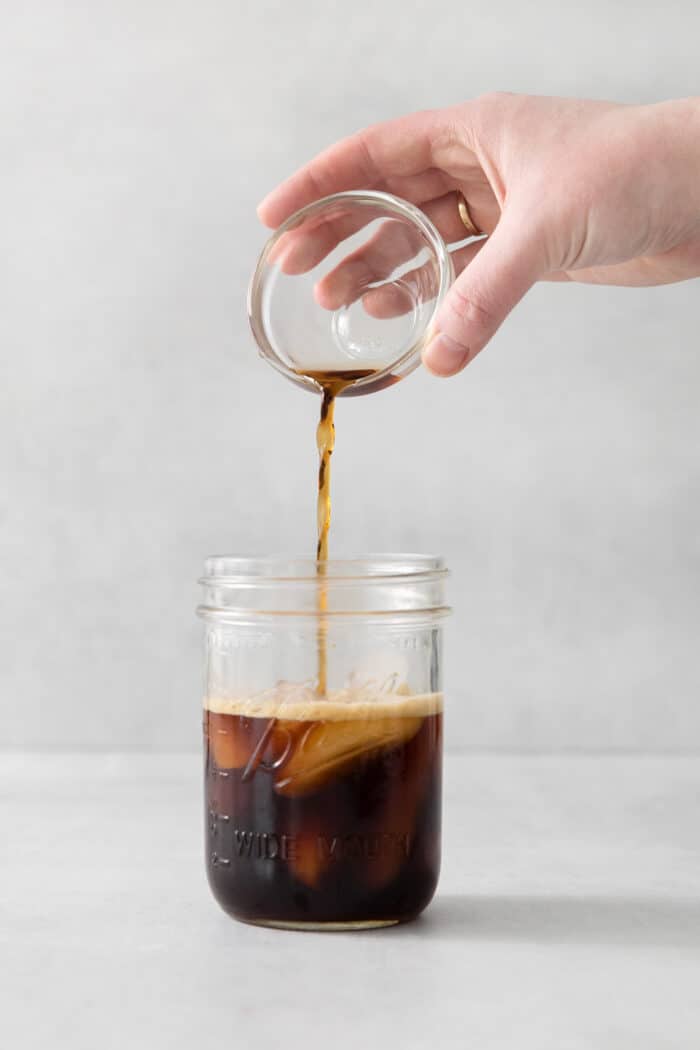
(496, 279)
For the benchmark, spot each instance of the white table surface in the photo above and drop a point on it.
(568, 916)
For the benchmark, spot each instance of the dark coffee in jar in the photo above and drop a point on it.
(324, 811)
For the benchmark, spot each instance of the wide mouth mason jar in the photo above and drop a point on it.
(323, 804)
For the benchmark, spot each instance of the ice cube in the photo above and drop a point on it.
(327, 749)
(308, 862)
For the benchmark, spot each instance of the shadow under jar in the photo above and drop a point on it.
(323, 809)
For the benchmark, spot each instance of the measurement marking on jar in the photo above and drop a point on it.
(216, 818)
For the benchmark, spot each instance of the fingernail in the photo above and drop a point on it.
(443, 356)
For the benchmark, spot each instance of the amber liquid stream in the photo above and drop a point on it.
(332, 385)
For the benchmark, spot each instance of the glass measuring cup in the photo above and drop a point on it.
(349, 284)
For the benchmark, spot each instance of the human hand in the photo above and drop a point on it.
(564, 190)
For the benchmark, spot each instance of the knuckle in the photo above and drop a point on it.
(471, 309)
(492, 97)
(495, 103)
(493, 112)
(365, 145)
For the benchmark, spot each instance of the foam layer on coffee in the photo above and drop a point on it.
(301, 704)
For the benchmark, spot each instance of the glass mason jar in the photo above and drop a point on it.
(323, 806)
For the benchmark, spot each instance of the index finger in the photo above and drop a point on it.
(401, 147)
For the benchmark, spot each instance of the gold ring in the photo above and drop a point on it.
(466, 218)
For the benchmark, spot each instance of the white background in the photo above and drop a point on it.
(559, 475)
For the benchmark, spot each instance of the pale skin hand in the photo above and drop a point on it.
(565, 190)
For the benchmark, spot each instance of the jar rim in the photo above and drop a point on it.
(386, 588)
(279, 569)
